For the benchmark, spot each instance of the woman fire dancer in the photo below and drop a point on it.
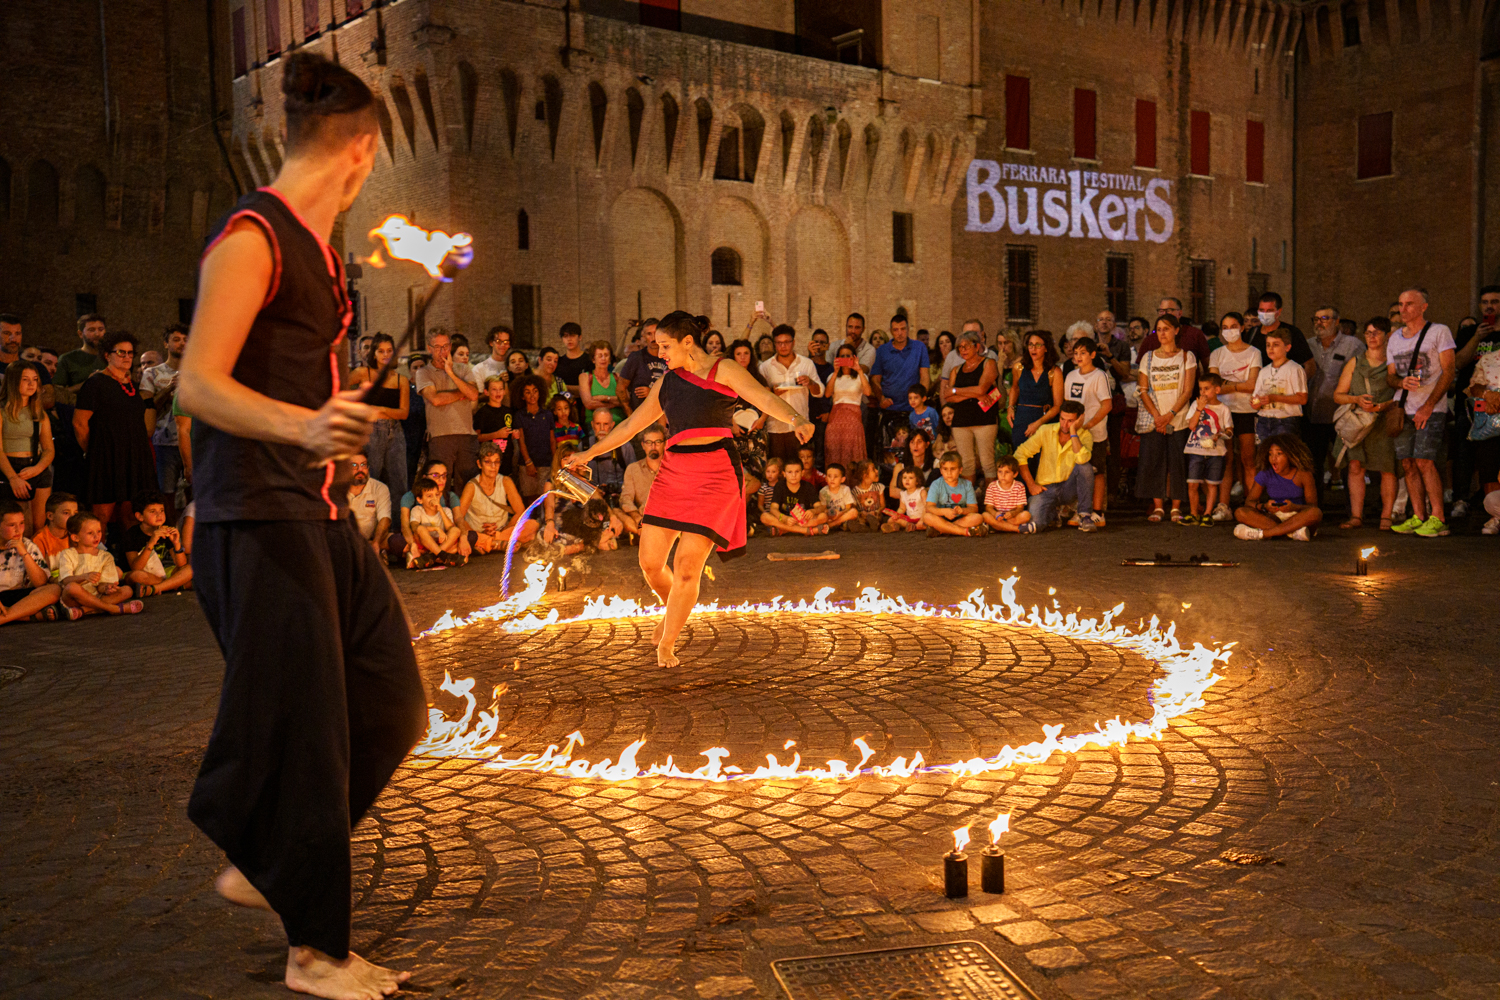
(697, 499)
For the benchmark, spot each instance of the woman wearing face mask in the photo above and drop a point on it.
(1238, 364)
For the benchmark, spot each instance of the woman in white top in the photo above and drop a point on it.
(1167, 379)
(491, 506)
(844, 441)
(1238, 364)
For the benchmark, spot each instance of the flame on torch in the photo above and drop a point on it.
(1367, 552)
(1001, 825)
(403, 240)
(960, 839)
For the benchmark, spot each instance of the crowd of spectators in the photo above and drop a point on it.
(1244, 421)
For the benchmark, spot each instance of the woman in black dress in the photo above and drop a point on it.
(110, 424)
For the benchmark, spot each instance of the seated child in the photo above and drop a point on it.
(838, 499)
(911, 502)
(761, 502)
(153, 550)
(565, 429)
(1280, 498)
(952, 508)
(922, 413)
(438, 539)
(869, 497)
(810, 473)
(1005, 501)
(1207, 448)
(795, 508)
(52, 536)
(24, 589)
(87, 572)
(578, 526)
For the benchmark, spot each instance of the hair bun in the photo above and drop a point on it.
(303, 77)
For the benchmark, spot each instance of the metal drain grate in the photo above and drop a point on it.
(961, 970)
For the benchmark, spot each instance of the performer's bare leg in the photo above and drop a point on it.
(236, 888)
(656, 545)
(687, 571)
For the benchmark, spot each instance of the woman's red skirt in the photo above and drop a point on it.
(701, 489)
(844, 442)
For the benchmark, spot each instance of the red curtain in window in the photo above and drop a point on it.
(1085, 113)
(1145, 133)
(273, 27)
(1198, 152)
(1375, 145)
(237, 34)
(310, 18)
(1018, 112)
(662, 14)
(1255, 152)
(354, 8)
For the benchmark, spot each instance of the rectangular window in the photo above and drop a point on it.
(1255, 152)
(1018, 112)
(1259, 283)
(1117, 286)
(1145, 133)
(1375, 145)
(237, 35)
(1201, 291)
(310, 18)
(1198, 143)
(903, 238)
(526, 315)
(273, 28)
(1085, 122)
(1020, 284)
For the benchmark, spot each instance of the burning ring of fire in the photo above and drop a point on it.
(1185, 675)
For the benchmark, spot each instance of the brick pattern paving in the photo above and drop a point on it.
(1324, 828)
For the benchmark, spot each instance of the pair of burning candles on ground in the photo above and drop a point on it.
(991, 862)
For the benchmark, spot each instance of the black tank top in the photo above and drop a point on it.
(288, 356)
(387, 396)
(967, 412)
(693, 403)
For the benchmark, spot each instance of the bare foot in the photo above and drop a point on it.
(236, 888)
(656, 632)
(665, 657)
(310, 971)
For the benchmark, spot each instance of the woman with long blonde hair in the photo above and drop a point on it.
(26, 453)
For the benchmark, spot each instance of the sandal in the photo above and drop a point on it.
(1353, 522)
(1156, 515)
(979, 531)
(147, 590)
(132, 608)
(1385, 523)
(1176, 515)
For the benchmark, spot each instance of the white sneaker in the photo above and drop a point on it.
(1327, 477)
(1301, 535)
(1223, 513)
(1237, 491)
(1459, 512)
(1491, 527)
(1247, 533)
(1402, 498)
(1447, 496)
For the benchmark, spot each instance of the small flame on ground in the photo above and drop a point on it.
(960, 839)
(1001, 825)
(405, 241)
(1368, 551)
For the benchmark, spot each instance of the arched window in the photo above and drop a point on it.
(725, 266)
(41, 194)
(523, 230)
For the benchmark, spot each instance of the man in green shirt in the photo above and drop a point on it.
(76, 366)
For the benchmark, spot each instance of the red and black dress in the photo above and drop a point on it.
(701, 487)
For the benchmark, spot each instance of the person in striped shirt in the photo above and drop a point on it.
(1005, 501)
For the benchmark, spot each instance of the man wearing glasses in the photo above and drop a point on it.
(1330, 349)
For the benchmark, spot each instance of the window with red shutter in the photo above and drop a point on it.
(1145, 133)
(664, 14)
(1018, 112)
(1375, 145)
(1255, 152)
(310, 18)
(1085, 111)
(1198, 141)
(354, 8)
(237, 33)
(273, 28)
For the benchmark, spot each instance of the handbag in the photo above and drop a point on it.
(1352, 424)
(1482, 426)
(1144, 422)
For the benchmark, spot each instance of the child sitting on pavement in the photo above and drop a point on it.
(1005, 500)
(438, 538)
(810, 473)
(1207, 449)
(838, 499)
(52, 536)
(87, 572)
(911, 502)
(795, 508)
(869, 497)
(952, 508)
(153, 550)
(761, 502)
(1278, 503)
(24, 588)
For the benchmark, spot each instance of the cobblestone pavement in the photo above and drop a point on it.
(1325, 827)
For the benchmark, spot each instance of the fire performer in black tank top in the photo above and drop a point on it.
(697, 500)
(321, 696)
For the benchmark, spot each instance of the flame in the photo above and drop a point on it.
(1368, 551)
(960, 839)
(1186, 674)
(404, 241)
(1001, 825)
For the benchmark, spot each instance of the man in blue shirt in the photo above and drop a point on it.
(899, 364)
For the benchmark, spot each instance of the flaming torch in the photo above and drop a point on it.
(1362, 565)
(442, 255)
(956, 866)
(992, 861)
